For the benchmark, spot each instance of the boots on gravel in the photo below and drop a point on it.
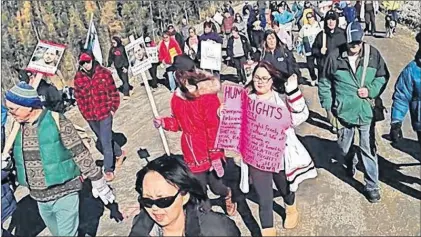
(291, 220)
(269, 232)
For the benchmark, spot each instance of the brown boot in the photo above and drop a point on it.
(231, 206)
(269, 232)
(291, 220)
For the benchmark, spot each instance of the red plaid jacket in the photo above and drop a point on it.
(96, 97)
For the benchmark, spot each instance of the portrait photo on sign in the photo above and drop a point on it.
(138, 56)
(46, 57)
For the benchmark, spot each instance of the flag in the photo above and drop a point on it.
(92, 42)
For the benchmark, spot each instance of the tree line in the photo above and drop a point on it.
(66, 22)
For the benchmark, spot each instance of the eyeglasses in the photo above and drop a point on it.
(262, 79)
(160, 202)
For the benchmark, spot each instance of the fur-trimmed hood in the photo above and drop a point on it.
(211, 86)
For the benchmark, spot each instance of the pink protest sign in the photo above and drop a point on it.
(254, 128)
(228, 136)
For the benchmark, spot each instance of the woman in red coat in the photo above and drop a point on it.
(194, 112)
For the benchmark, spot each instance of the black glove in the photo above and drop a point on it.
(115, 213)
(396, 132)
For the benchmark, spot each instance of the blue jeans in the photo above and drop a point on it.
(368, 152)
(106, 145)
(394, 14)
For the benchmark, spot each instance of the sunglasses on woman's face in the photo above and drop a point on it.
(160, 202)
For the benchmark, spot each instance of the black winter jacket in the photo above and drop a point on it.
(51, 98)
(334, 40)
(198, 223)
(283, 60)
(118, 56)
(246, 46)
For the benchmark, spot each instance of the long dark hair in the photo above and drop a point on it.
(176, 173)
(279, 78)
(279, 44)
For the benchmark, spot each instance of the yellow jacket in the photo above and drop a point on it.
(391, 5)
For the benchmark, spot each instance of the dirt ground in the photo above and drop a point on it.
(331, 204)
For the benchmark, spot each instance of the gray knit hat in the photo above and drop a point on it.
(25, 95)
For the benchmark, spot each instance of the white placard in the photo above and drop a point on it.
(211, 55)
(46, 57)
(138, 58)
(152, 54)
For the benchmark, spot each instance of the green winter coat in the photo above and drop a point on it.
(57, 161)
(338, 86)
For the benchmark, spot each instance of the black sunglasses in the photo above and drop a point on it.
(160, 202)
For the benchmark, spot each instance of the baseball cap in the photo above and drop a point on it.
(182, 63)
(354, 32)
(331, 15)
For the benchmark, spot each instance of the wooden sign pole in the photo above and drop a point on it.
(153, 105)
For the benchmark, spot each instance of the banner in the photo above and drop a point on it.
(46, 57)
(254, 128)
(138, 58)
(211, 55)
(92, 42)
(152, 54)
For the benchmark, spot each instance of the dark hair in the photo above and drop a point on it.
(235, 28)
(279, 78)
(238, 15)
(118, 40)
(275, 23)
(176, 173)
(166, 32)
(208, 24)
(418, 37)
(192, 77)
(279, 44)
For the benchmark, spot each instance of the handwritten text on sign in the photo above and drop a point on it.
(254, 128)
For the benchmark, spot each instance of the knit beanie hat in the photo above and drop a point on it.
(24, 95)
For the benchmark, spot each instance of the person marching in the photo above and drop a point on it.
(98, 100)
(268, 84)
(51, 160)
(194, 112)
(118, 57)
(238, 50)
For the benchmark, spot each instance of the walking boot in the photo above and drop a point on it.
(269, 232)
(291, 220)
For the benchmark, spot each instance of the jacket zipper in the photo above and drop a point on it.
(190, 144)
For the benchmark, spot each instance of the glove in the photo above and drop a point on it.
(6, 162)
(396, 132)
(292, 83)
(158, 122)
(115, 213)
(101, 189)
(217, 166)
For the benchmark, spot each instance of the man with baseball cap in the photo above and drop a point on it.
(348, 94)
(50, 159)
(98, 100)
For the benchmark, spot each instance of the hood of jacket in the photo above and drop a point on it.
(118, 40)
(211, 86)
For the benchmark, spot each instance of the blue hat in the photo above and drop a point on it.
(354, 32)
(24, 95)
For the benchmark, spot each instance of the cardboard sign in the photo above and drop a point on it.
(46, 57)
(152, 54)
(138, 58)
(211, 55)
(254, 128)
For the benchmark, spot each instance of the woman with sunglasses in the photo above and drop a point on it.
(278, 55)
(172, 199)
(194, 108)
(267, 85)
(192, 44)
(306, 38)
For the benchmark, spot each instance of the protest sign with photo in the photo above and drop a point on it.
(152, 54)
(138, 57)
(254, 128)
(211, 55)
(46, 57)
